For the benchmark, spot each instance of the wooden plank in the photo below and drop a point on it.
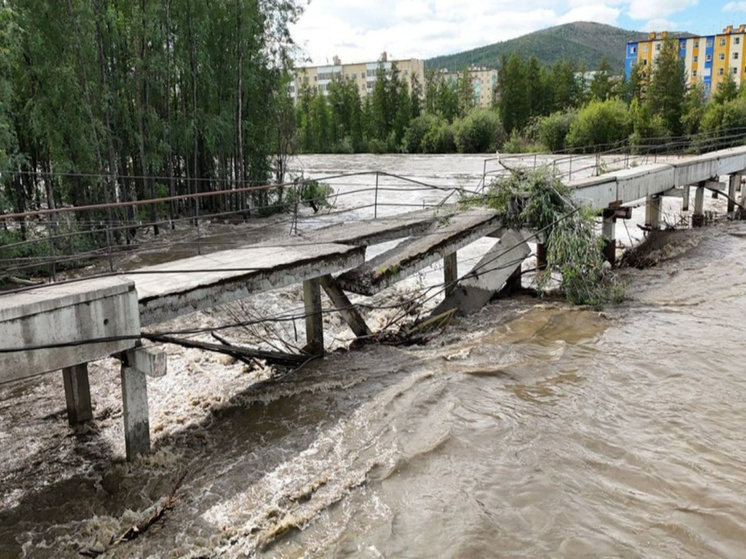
(451, 234)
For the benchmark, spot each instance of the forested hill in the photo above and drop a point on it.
(583, 42)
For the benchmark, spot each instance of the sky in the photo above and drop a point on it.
(360, 30)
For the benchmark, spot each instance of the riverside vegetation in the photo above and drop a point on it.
(534, 108)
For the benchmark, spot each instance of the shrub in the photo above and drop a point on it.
(600, 123)
(416, 132)
(439, 139)
(479, 132)
(553, 129)
(650, 131)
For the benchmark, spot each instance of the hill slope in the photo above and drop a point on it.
(585, 42)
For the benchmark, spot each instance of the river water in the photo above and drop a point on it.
(530, 429)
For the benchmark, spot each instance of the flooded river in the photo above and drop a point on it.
(530, 429)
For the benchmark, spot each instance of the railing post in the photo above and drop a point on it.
(51, 249)
(375, 203)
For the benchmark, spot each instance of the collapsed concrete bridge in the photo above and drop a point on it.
(68, 325)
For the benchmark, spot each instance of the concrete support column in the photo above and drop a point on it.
(733, 185)
(685, 199)
(345, 307)
(698, 218)
(653, 212)
(135, 408)
(77, 394)
(450, 272)
(314, 318)
(608, 233)
(743, 192)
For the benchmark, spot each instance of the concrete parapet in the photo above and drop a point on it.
(66, 316)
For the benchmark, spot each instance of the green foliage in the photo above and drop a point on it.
(479, 132)
(668, 87)
(553, 129)
(649, 129)
(439, 138)
(538, 200)
(727, 90)
(312, 194)
(602, 85)
(600, 123)
(695, 104)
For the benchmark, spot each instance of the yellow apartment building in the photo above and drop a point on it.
(707, 59)
(363, 74)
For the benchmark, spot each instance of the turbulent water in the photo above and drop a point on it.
(530, 429)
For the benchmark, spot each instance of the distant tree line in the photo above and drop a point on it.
(534, 108)
(98, 97)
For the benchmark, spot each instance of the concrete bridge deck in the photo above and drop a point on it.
(53, 327)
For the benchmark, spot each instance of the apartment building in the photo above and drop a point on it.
(363, 74)
(707, 59)
(483, 80)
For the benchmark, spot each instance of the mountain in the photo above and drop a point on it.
(583, 41)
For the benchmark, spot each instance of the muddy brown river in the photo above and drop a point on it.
(530, 429)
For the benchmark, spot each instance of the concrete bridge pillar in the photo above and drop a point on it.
(137, 365)
(608, 232)
(653, 212)
(698, 217)
(734, 184)
(314, 318)
(77, 394)
(450, 272)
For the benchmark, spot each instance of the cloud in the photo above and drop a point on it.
(359, 30)
(659, 25)
(735, 7)
(646, 10)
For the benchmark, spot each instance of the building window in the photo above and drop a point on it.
(734, 71)
(644, 62)
(709, 58)
(736, 40)
(362, 75)
(632, 50)
(722, 42)
(406, 72)
(735, 56)
(709, 42)
(644, 48)
(696, 59)
(720, 72)
(696, 44)
(658, 47)
(694, 73)
(722, 56)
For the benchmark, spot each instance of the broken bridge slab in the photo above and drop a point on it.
(375, 231)
(174, 289)
(489, 275)
(450, 234)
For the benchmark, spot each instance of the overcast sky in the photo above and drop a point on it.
(359, 30)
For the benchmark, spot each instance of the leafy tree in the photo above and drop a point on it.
(668, 87)
(600, 123)
(553, 129)
(465, 93)
(479, 132)
(695, 103)
(727, 90)
(602, 85)
(513, 105)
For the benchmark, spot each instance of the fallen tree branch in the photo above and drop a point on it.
(277, 358)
